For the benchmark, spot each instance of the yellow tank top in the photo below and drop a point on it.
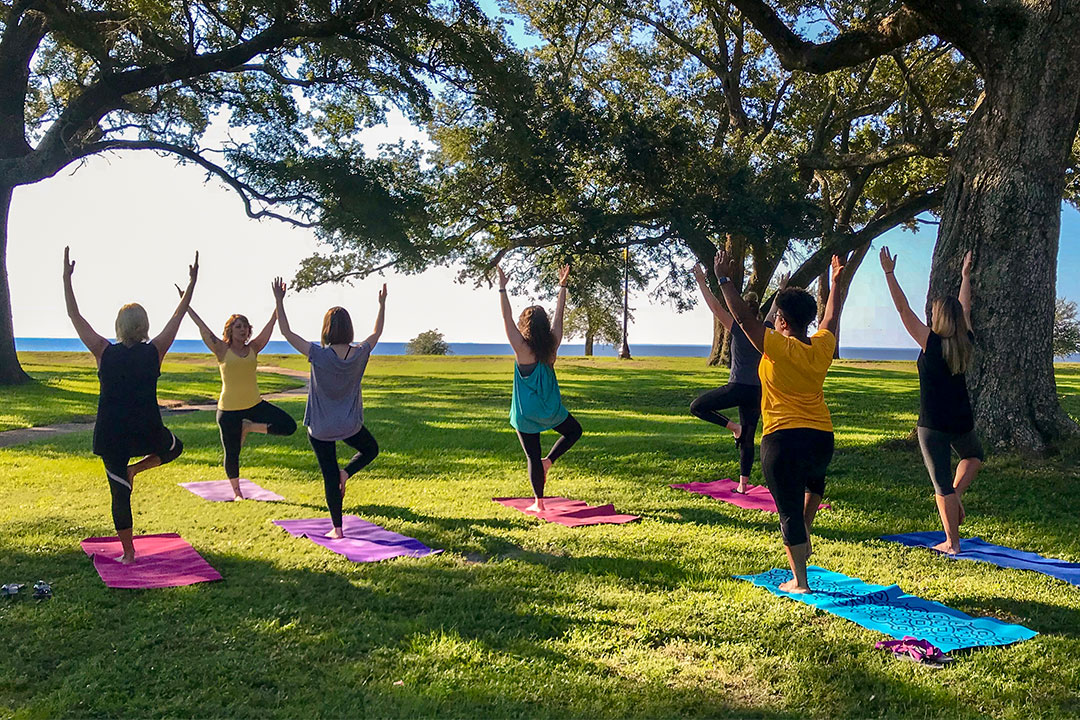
(239, 385)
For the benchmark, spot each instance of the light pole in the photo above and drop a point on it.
(624, 353)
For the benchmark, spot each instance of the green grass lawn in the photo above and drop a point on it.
(519, 617)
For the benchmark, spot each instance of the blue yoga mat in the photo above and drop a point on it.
(892, 611)
(976, 549)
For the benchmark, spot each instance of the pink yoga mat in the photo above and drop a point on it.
(757, 497)
(165, 560)
(221, 491)
(570, 513)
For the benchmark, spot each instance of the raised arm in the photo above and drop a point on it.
(560, 305)
(782, 283)
(373, 338)
(93, 342)
(752, 327)
(830, 319)
(215, 344)
(164, 339)
(965, 287)
(299, 344)
(916, 328)
(711, 300)
(259, 341)
(517, 342)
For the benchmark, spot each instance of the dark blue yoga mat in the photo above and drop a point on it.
(890, 610)
(976, 549)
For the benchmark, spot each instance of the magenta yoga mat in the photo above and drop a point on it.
(571, 513)
(757, 497)
(161, 561)
(221, 491)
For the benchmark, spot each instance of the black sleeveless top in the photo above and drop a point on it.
(943, 397)
(128, 418)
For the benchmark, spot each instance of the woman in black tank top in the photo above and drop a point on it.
(946, 423)
(128, 419)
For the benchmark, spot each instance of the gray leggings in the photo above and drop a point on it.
(937, 450)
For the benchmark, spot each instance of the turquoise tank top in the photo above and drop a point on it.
(536, 404)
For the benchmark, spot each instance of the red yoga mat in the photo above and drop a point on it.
(165, 560)
(757, 497)
(571, 513)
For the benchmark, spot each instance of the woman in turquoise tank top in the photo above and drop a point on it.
(536, 404)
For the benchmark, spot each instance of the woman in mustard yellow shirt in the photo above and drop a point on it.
(797, 433)
(241, 409)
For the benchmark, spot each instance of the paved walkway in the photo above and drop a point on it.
(22, 435)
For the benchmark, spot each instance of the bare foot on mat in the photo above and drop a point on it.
(792, 586)
(945, 547)
(336, 534)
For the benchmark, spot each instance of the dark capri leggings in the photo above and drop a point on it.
(231, 425)
(743, 396)
(569, 429)
(168, 449)
(937, 450)
(326, 453)
(794, 462)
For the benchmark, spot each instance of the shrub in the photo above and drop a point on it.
(429, 342)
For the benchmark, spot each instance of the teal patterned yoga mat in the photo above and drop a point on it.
(892, 611)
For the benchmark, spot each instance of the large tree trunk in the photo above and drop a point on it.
(589, 337)
(11, 373)
(1003, 200)
(719, 339)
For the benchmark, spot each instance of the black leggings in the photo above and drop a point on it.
(169, 448)
(231, 425)
(326, 453)
(569, 429)
(748, 399)
(794, 462)
(937, 450)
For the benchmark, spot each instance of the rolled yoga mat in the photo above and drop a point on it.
(977, 549)
(890, 610)
(757, 497)
(363, 541)
(161, 561)
(221, 491)
(571, 513)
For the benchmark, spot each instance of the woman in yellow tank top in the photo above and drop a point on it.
(241, 409)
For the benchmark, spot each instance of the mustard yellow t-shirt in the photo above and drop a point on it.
(792, 374)
(239, 381)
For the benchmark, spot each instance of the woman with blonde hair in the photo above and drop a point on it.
(241, 409)
(946, 423)
(128, 419)
(536, 404)
(335, 407)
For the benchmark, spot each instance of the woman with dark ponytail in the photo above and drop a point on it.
(537, 405)
(946, 423)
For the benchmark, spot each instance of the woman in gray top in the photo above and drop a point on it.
(335, 407)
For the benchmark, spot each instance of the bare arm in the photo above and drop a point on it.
(373, 338)
(752, 327)
(916, 328)
(783, 282)
(164, 339)
(711, 300)
(560, 306)
(517, 341)
(830, 319)
(965, 287)
(299, 344)
(260, 340)
(212, 341)
(93, 342)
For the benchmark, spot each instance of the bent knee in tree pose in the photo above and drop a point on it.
(335, 407)
(241, 409)
(946, 422)
(128, 419)
(536, 402)
(797, 433)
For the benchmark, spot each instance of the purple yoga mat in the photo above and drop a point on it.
(363, 541)
(571, 513)
(221, 491)
(757, 497)
(161, 561)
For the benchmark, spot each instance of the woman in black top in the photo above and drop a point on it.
(128, 419)
(946, 422)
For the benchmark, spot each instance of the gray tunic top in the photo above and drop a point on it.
(335, 405)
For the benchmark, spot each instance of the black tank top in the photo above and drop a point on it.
(943, 397)
(128, 418)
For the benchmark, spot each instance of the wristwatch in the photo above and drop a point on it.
(721, 279)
